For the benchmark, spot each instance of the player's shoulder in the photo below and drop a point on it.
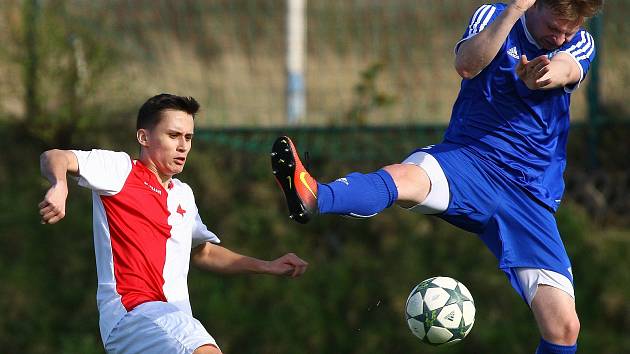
(582, 37)
(581, 46)
(102, 153)
(97, 157)
(489, 9)
(483, 16)
(500, 6)
(178, 184)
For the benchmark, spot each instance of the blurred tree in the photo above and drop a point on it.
(65, 61)
(367, 96)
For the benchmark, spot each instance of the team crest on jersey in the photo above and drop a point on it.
(181, 210)
(513, 52)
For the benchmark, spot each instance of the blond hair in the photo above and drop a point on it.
(573, 9)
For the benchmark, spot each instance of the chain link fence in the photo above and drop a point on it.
(392, 61)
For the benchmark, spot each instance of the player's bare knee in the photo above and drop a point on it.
(564, 333)
(571, 329)
(411, 180)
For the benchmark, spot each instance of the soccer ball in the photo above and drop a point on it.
(440, 310)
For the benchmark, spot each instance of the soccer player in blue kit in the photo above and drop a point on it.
(498, 171)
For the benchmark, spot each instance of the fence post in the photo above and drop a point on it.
(296, 38)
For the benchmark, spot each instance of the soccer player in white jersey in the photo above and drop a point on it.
(147, 230)
(498, 170)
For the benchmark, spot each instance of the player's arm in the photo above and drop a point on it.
(55, 165)
(542, 73)
(475, 53)
(212, 257)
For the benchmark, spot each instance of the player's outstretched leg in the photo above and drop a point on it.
(557, 320)
(357, 194)
(300, 189)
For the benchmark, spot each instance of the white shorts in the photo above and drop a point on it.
(157, 327)
(530, 278)
(439, 195)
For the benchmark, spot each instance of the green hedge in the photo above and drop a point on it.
(350, 300)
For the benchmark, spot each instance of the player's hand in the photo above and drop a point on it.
(53, 207)
(523, 5)
(288, 265)
(533, 72)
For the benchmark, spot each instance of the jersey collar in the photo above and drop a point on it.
(153, 176)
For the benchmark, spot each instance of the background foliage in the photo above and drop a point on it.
(351, 299)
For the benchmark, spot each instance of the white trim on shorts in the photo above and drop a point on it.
(439, 195)
(530, 278)
(158, 328)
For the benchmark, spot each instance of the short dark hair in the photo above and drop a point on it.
(150, 113)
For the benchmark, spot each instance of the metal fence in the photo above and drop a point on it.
(391, 61)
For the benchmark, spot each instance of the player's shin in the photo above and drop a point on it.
(357, 194)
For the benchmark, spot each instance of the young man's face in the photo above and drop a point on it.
(167, 144)
(550, 30)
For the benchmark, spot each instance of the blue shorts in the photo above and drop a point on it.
(519, 230)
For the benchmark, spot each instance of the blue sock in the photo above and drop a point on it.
(545, 347)
(357, 194)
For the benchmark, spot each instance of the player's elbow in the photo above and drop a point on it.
(62, 159)
(205, 257)
(49, 154)
(465, 74)
(464, 69)
(46, 156)
(199, 254)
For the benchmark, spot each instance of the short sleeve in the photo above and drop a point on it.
(102, 171)
(201, 234)
(582, 49)
(480, 20)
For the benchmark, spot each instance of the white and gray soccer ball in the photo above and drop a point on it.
(440, 310)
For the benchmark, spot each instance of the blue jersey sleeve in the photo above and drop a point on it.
(482, 17)
(582, 49)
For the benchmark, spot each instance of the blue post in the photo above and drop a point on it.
(296, 104)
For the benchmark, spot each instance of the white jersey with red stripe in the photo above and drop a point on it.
(143, 234)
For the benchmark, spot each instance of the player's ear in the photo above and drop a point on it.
(143, 137)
